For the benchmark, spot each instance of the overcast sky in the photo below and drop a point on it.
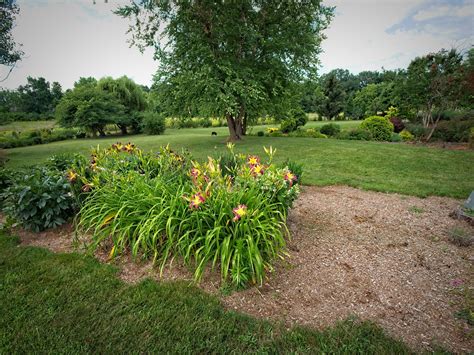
(64, 40)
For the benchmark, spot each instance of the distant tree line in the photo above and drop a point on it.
(37, 99)
(429, 86)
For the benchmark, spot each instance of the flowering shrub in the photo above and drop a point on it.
(228, 213)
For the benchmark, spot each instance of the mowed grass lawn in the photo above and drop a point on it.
(22, 126)
(70, 304)
(389, 167)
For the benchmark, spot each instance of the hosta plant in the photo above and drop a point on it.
(38, 199)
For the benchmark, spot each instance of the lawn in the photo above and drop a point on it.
(389, 167)
(22, 126)
(70, 303)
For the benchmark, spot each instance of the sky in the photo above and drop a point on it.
(64, 40)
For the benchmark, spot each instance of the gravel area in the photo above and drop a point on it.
(381, 257)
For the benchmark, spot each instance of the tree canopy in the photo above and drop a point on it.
(130, 95)
(10, 52)
(236, 59)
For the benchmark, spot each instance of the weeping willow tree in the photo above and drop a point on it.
(130, 95)
(232, 59)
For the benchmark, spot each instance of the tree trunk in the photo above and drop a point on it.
(235, 130)
(101, 132)
(123, 128)
(435, 124)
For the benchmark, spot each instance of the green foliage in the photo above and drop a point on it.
(9, 50)
(165, 205)
(153, 123)
(417, 130)
(453, 131)
(62, 162)
(13, 139)
(260, 133)
(380, 127)
(330, 129)
(392, 112)
(288, 125)
(309, 132)
(396, 138)
(373, 98)
(38, 199)
(334, 97)
(406, 136)
(358, 134)
(237, 60)
(131, 96)
(89, 107)
(36, 100)
(435, 82)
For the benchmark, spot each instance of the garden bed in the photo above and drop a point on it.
(383, 257)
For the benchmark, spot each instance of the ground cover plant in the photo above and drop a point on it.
(230, 216)
(406, 169)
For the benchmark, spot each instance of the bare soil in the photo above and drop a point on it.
(380, 257)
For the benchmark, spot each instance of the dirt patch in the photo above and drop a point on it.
(59, 240)
(382, 257)
(445, 145)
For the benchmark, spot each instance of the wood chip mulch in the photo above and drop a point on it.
(380, 257)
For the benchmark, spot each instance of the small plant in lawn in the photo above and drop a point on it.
(228, 213)
(460, 237)
(330, 129)
(358, 134)
(416, 209)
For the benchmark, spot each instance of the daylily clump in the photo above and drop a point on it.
(227, 213)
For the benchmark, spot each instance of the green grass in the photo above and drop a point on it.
(389, 167)
(70, 303)
(22, 126)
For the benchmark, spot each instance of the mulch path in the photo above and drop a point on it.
(380, 257)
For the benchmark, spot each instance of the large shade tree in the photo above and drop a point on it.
(130, 95)
(235, 58)
(10, 53)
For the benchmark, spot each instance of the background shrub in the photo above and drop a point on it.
(288, 125)
(453, 131)
(398, 124)
(396, 137)
(38, 199)
(330, 129)
(260, 133)
(358, 134)
(380, 127)
(417, 130)
(406, 136)
(153, 123)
